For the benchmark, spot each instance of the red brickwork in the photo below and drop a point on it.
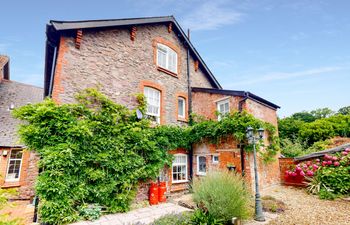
(28, 173)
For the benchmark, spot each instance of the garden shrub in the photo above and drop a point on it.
(205, 218)
(329, 177)
(222, 195)
(93, 152)
(175, 219)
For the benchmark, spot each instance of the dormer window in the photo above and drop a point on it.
(166, 58)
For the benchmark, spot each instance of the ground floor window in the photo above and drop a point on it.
(201, 165)
(179, 168)
(14, 165)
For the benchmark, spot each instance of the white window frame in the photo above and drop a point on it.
(215, 161)
(179, 164)
(8, 166)
(222, 102)
(158, 104)
(183, 116)
(201, 173)
(169, 52)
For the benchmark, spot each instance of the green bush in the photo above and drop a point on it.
(292, 148)
(174, 219)
(205, 218)
(222, 195)
(90, 212)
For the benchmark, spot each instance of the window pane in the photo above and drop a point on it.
(202, 164)
(161, 55)
(153, 102)
(172, 61)
(181, 107)
(14, 166)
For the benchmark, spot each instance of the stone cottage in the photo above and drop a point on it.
(18, 166)
(155, 57)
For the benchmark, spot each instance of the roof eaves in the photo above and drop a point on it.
(71, 25)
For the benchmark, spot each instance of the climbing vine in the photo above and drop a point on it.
(96, 151)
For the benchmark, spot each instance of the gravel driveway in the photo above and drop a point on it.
(303, 208)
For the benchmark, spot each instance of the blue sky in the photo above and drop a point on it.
(293, 53)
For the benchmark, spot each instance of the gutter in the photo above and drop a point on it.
(241, 146)
(189, 102)
(240, 103)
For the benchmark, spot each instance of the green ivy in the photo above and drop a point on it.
(96, 151)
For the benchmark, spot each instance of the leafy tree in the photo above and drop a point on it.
(318, 130)
(322, 113)
(289, 128)
(344, 110)
(304, 116)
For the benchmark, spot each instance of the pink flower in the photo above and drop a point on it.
(308, 163)
(334, 158)
(326, 156)
(294, 174)
(347, 149)
(302, 173)
(344, 153)
(317, 160)
(336, 163)
(305, 166)
(298, 169)
(329, 162)
(309, 173)
(315, 166)
(324, 163)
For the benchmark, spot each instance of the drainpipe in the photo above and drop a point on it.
(189, 101)
(241, 145)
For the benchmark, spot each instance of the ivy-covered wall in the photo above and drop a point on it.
(97, 151)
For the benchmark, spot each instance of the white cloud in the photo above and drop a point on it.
(210, 15)
(287, 75)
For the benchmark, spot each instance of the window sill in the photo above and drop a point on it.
(167, 71)
(11, 184)
(201, 174)
(179, 182)
(182, 119)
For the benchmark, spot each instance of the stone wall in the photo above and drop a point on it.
(118, 66)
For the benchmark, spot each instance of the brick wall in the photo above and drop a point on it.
(28, 173)
(229, 153)
(117, 65)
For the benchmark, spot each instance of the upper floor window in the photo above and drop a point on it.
(181, 108)
(179, 168)
(166, 58)
(153, 103)
(14, 165)
(223, 108)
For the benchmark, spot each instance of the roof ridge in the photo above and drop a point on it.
(17, 82)
(102, 20)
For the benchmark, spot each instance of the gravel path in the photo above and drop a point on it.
(303, 208)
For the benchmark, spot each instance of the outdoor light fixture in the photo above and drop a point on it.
(252, 139)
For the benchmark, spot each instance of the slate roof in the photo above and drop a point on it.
(322, 153)
(19, 94)
(55, 28)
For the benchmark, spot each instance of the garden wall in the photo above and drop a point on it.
(285, 164)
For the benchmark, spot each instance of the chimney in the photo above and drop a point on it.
(4, 68)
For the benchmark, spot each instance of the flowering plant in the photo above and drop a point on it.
(309, 168)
